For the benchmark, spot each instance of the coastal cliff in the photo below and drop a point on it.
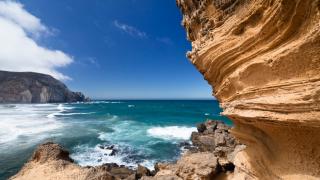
(262, 59)
(29, 87)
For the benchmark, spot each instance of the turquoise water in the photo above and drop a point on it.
(143, 132)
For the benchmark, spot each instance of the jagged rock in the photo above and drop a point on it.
(112, 148)
(120, 172)
(50, 152)
(201, 165)
(216, 139)
(263, 59)
(160, 177)
(203, 142)
(29, 87)
(143, 171)
(201, 127)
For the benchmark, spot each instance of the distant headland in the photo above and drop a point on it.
(30, 87)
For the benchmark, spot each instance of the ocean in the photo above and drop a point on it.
(142, 131)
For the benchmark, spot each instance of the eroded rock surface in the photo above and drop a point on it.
(201, 165)
(29, 87)
(262, 59)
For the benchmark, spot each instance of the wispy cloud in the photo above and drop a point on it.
(93, 61)
(132, 31)
(165, 40)
(19, 50)
(88, 62)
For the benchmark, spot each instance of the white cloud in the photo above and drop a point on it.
(18, 49)
(165, 40)
(130, 30)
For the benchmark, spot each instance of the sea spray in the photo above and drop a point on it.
(171, 132)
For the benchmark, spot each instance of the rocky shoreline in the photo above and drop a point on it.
(211, 155)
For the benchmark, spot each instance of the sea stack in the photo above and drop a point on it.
(262, 59)
(30, 87)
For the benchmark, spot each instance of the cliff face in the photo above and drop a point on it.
(28, 87)
(262, 59)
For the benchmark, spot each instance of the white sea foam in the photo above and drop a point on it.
(95, 156)
(63, 108)
(100, 102)
(63, 111)
(116, 102)
(70, 114)
(27, 120)
(67, 114)
(206, 114)
(53, 115)
(103, 136)
(60, 107)
(130, 106)
(171, 132)
(124, 130)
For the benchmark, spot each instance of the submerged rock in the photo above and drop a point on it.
(29, 87)
(112, 150)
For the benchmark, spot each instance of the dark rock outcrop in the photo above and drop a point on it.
(215, 138)
(30, 87)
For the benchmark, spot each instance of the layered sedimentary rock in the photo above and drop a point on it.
(262, 59)
(29, 87)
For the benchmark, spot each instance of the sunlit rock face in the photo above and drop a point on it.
(262, 58)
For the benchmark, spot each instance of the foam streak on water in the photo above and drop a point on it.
(26, 121)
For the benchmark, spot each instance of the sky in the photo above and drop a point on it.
(107, 49)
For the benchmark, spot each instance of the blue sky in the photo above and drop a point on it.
(118, 49)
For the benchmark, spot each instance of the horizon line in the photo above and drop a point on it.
(164, 99)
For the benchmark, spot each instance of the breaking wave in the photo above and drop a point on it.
(171, 132)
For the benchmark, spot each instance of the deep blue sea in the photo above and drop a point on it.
(143, 131)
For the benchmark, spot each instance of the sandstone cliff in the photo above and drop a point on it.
(262, 59)
(29, 87)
